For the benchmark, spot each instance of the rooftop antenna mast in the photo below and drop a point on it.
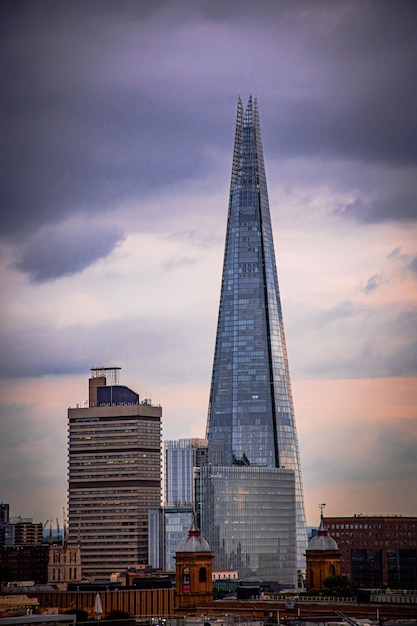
(111, 374)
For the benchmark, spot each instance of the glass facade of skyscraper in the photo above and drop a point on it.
(251, 416)
(170, 524)
(180, 457)
(248, 516)
(177, 522)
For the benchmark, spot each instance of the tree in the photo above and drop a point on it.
(81, 615)
(339, 585)
(6, 573)
(119, 618)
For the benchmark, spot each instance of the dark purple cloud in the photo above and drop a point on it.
(108, 102)
(42, 257)
(42, 350)
(396, 206)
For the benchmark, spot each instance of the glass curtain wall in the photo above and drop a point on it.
(251, 416)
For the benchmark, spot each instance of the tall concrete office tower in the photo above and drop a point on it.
(114, 472)
(251, 427)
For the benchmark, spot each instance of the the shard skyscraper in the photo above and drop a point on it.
(252, 494)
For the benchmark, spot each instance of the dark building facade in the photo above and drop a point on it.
(4, 513)
(27, 562)
(22, 551)
(377, 550)
(251, 420)
(114, 475)
(6, 536)
(28, 533)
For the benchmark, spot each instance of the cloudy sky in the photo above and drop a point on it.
(118, 126)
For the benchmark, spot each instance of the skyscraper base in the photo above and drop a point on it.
(249, 519)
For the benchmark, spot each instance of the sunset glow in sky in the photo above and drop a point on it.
(119, 121)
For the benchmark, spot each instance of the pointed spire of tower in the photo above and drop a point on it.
(194, 529)
(236, 149)
(322, 540)
(322, 527)
(193, 542)
(249, 111)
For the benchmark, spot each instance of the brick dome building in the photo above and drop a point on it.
(193, 579)
(322, 556)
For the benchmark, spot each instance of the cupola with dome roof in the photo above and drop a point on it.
(323, 556)
(193, 558)
(193, 542)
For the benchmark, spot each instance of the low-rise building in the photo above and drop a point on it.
(377, 550)
(26, 562)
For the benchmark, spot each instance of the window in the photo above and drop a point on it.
(202, 575)
(186, 580)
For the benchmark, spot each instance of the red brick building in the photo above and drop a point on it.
(27, 562)
(377, 550)
(193, 572)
